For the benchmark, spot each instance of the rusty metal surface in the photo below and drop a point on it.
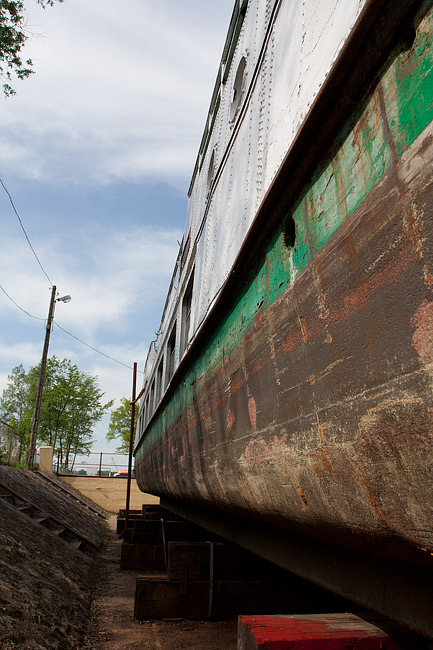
(315, 413)
(321, 418)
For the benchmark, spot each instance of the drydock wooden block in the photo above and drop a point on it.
(323, 632)
(147, 513)
(121, 522)
(142, 556)
(197, 560)
(160, 597)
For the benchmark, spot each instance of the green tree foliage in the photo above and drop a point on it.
(13, 35)
(14, 409)
(72, 404)
(120, 425)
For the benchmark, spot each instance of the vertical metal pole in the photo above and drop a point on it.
(131, 443)
(100, 464)
(211, 578)
(35, 426)
(164, 544)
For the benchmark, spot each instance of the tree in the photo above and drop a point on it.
(13, 35)
(120, 425)
(15, 408)
(14, 400)
(71, 407)
(72, 404)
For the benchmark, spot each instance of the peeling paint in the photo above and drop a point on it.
(331, 438)
(423, 335)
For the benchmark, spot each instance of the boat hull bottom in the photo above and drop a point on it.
(400, 591)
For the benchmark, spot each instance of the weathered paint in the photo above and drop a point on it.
(323, 632)
(311, 404)
(238, 159)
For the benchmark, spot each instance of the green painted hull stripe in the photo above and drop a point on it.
(360, 160)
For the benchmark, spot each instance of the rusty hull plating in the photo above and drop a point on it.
(308, 403)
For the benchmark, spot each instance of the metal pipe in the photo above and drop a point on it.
(211, 578)
(164, 544)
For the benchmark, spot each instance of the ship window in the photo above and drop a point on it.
(171, 349)
(210, 173)
(146, 411)
(152, 397)
(185, 249)
(158, 391)
(289, 231)
(238, 88)
(186, 315)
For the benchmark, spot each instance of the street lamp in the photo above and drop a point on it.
(35, 425)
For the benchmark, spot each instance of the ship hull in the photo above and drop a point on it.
(308, 403)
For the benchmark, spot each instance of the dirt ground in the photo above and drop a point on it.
(55, 597)
(114, 627)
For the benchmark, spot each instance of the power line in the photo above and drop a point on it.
(24, 231)
(69, 333)
(94, 349)
(17, 305)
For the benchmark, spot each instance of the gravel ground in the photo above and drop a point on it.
(56, 597)
(114, 627)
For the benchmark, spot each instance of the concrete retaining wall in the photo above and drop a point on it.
(109, 493)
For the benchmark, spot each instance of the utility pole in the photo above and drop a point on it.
(131, 444)
(35, 426)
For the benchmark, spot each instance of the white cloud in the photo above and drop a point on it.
(110, 278)
(120, 95)
(125, 92)
(29, 353)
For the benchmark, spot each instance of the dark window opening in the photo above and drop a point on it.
(238, 88)
(289, 231)
(185, 249)
(146, 411)
(171, 350)
(152, 397)
(186, 315)
(158, 388)
(210, 173)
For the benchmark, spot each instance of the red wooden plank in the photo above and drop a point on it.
(320, 632)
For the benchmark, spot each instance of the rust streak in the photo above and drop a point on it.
(323, 455)
(302, 495)
(303, 328)
(357, 299)
(252, 411)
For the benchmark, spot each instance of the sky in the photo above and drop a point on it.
(97, 151)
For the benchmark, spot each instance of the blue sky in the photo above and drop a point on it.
(97, 150)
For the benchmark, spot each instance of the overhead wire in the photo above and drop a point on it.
(68, 333)
(17, 305)
(24, 230)
(92, 348)
(51, 283)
